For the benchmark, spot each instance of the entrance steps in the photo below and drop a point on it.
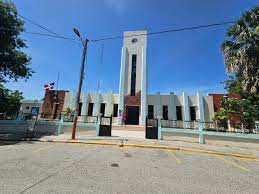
(128, 127)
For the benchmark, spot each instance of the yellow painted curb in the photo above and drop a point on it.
(121, 144)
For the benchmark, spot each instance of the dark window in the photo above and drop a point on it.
(102, 109)
(115, 110)
(193, 113)
(150, 111)
(133, 75)
(90, 109)
(80, 108)
(179, 115)
(27, 107)
(165, 112)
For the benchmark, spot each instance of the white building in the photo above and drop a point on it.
(29, 106)
(133, 97)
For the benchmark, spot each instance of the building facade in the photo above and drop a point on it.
(31, 106)
(133, 97)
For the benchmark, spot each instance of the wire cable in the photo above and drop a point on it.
(38, 25)
(166, 31)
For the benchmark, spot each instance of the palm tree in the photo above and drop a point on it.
(241, 50)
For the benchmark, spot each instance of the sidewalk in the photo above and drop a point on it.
(247, 150)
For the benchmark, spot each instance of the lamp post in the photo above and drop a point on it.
(81, 77)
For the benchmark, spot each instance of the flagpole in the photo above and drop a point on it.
(55, 100)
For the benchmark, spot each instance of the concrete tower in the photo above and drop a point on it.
(133, 77)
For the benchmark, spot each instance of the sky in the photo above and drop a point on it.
(187, 61)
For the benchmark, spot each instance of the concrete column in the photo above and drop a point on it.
(186, 109)
(122, 82)
(143, 113)
(85, 105)
(172, 107)
(158, 107)
(200, 107)
(96, 104)
(108, 106)
(73, 101)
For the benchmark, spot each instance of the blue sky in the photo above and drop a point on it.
(182, 61)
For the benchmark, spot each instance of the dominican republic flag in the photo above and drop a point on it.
(49, 86)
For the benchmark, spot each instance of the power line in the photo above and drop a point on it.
(39, 34)
(166, 31)
(38, 25)
(55, 35)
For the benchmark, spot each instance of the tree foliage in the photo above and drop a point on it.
(14, 63)
(10, 102)
(241, 50)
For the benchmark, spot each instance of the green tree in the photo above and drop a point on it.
(241, 51)
(14, 63)
(10, 102)
(241, 54)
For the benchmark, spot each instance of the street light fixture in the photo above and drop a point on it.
(81, 77)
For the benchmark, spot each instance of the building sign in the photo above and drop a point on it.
(35, 111)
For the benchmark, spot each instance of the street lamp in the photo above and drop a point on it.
(81, 77)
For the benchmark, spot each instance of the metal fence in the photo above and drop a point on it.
(180, 124)
(247, 128)
(60, 117)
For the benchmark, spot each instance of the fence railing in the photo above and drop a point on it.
(60, 117)
(211, 126)
(247, 128)
(202, 129)
(180, 124)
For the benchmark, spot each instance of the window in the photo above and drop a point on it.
(102, 109)
(133, 75)
(179, 115)
(150, 111)
(115, 110)
(80, 108)
(27, 107)
(165, 112)
(90, 109)
(193, 113)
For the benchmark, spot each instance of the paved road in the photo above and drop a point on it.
(77, 168)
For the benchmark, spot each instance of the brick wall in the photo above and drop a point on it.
(49, 100)
(235, 118)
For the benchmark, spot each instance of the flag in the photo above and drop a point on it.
(49, 86)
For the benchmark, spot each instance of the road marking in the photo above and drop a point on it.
(42, 149)
(233, 164)
(178, 161)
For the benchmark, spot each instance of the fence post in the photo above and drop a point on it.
(201, 136)
(19, 117)
(60, 123)
(98, 124)
(159, 128)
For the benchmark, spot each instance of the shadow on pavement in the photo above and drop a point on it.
(16, 138)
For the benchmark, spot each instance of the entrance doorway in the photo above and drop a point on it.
(132, 115)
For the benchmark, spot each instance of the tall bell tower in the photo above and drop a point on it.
(133, 78)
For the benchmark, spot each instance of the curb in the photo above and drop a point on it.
(121, 144)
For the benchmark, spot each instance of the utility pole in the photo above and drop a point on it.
(84, 42)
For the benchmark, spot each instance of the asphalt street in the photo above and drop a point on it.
(34, 167)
